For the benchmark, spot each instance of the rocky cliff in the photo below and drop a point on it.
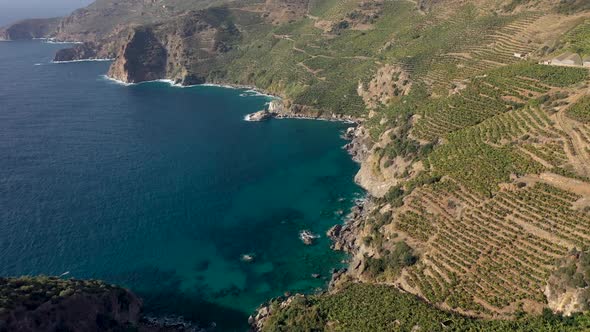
(141, 58)
(568, 288)
(78, 52)
(50, 304)
(180, 49)
(53, 304)
(29, 29)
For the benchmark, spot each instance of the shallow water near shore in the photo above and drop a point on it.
(163, 189)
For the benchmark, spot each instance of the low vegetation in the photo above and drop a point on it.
(391, 262)
(371, 308)
(31, 292)
(581, 110)
(578, 39)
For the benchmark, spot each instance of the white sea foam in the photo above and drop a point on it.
(219, 86)
(38, 64)
(256, 93)
(82, 60)
(116, 81)
(246, 93)
(169, 82)
(288, 117)
(53, 41)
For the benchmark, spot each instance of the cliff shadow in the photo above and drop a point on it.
(164, 299)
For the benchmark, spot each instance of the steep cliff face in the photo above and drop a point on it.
(29, 29)
(78, 52)
(142, 58)
(179, 49)
(52, 304)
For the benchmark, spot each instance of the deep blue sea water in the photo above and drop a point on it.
(162, 189)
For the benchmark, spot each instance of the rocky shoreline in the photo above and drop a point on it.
(344, 236)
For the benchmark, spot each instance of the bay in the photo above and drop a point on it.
(163, 189)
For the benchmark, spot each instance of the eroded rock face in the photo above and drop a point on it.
(180, 50)
(78, 52)
(389, 82)
(568, 288)
(142, 58)
(378, 174)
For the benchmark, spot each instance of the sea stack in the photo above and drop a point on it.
(259, 116)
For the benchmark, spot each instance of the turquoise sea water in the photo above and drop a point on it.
(162, 189)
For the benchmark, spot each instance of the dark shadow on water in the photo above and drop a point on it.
(255, 235)
(195, 309)
(162, 297)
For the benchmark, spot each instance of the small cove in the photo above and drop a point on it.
(163, 189)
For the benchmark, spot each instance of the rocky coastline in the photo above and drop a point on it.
(45, 303)
(156, 54)
(345, 236)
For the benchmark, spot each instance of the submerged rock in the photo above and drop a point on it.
(202, 266)
(308, 237)
(248, 258)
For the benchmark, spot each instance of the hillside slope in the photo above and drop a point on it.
(52, 304)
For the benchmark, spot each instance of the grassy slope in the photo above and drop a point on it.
(340, 62)
(372, 308)
(581, 110)
(473, 145)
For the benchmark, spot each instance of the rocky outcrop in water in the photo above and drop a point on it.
(259, 116)
(78, 52)
(286, 109)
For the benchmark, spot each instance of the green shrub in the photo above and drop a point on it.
(580, 111)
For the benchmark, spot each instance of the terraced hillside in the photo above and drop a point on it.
(479, 158)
